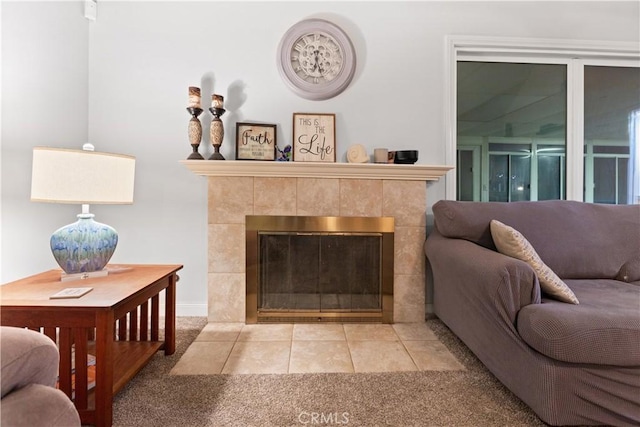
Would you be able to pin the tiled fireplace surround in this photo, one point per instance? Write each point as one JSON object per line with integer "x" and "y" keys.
{"x": 237, "y": 189}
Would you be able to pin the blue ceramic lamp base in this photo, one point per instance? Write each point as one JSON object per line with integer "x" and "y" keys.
{"x": 85, "y": 246}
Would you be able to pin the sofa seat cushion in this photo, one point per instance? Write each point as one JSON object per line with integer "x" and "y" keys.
{"x": 603, "y": 329}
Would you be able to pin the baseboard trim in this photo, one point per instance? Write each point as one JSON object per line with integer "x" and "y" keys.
{"x": 189, "y": 310}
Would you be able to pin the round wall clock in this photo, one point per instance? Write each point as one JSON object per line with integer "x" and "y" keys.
{"x": 316, "y": 59}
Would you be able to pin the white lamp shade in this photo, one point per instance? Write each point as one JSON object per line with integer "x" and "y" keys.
{"x": 81, "y": 177}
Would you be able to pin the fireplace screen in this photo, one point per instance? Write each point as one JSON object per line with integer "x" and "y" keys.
{"x": 320, "y": 272}
{"x": 319, "y": 268}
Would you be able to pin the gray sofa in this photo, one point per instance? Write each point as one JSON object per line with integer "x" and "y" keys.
{"x": 29, "y": 372}
{"x": 572, "y": 364}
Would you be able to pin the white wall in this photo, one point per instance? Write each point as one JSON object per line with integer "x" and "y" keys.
{"x": 45, "y": 48}
{"x": 142, "y": 56}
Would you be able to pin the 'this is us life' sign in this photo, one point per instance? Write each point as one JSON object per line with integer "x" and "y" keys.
{"x": 314, "y": 137}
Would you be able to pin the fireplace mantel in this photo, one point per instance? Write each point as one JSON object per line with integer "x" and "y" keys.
{"x": 230, "y": 168}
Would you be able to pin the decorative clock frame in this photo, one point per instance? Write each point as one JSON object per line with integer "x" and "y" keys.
{"x": 321, "y": 85}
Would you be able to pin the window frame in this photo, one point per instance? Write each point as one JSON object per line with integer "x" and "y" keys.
{"x": 575, "y": 54}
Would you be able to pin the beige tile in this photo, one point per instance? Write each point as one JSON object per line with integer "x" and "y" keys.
{"x": 227, "y": 248}
{"x": 220, "y": 332}
{"x": 258, "y": 357}
{"x": 360, "y": 197}
{"x": 380, "y": 356}
{"x": 414, "y": 331}
{"x": 318, "y": 196}
{"x": 320, "y": 356}
{"x": 432, "y": 355}
{"x": 230, "y": 199}
{"x": 308, "y": 348}
{"x": 274, "y": 196}
{"x": 406, "y": 201}
{"x": 318, "y": 332}
{"x": 279, "y": 332}
{"x": 408, "y": 298}
{"x": 409, "y": 257}
{"x": 203, "y": 358}
{"x": 370, "y": 332}
{"x": 226, "y": 297}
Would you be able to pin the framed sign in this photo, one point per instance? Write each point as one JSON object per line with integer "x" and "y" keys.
{"x": 314, "y": 137}
{"x": 255, "y": 141}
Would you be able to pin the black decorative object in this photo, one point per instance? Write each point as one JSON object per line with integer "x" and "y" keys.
{"x": 406, "y": 157}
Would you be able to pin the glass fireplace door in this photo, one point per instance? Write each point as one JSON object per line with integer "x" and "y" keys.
{"x": 320, "y": 272}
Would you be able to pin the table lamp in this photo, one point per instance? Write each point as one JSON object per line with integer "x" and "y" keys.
{"x": 85, "y": 177}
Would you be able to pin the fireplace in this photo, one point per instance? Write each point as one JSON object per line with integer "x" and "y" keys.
{"x": 240, "y": 188}
{"x": 319, "y": 269}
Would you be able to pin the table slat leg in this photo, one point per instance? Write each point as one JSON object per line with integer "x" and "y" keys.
{"x": 122, "y": 328}
{"x": 133, "y": 325}
{"x": 105, "y": 324}
{"x": 52, "y": 333}
{"x": 155, "y": 314}
{"x": 64, "y": 374}
{"x": 170, "y": 317}
{"x": 80, "y": 338}
{"x": 144, "y": 321}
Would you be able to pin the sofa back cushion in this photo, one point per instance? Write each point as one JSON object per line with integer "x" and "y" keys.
{"x": 576, "y": 240}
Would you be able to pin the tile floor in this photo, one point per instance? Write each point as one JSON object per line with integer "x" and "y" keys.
{"x": 235, "y": 348}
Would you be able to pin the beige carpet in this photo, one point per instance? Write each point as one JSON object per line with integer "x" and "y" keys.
{"x": 428, "y": 398}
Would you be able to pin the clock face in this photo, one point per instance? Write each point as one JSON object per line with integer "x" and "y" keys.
{"x": 316, "y": 59}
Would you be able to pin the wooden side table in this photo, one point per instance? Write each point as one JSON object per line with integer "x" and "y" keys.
{"x": 117, "y": 321}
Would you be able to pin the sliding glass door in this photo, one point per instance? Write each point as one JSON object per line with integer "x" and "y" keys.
{"x": 546, "y": 126}
{"x": 611, "y": 101}
{"x": 514, "y": 115}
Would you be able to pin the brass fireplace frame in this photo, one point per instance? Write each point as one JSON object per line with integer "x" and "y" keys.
{"x": 330, "y": 225}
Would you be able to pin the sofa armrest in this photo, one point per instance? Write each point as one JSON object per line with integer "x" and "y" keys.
{"x": 38, "y": 405}
{"x": 470, "y": 276}
{"x": 27, "y": 357}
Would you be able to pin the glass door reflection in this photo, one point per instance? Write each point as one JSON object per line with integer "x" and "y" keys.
{"x": 611, "y": 101}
